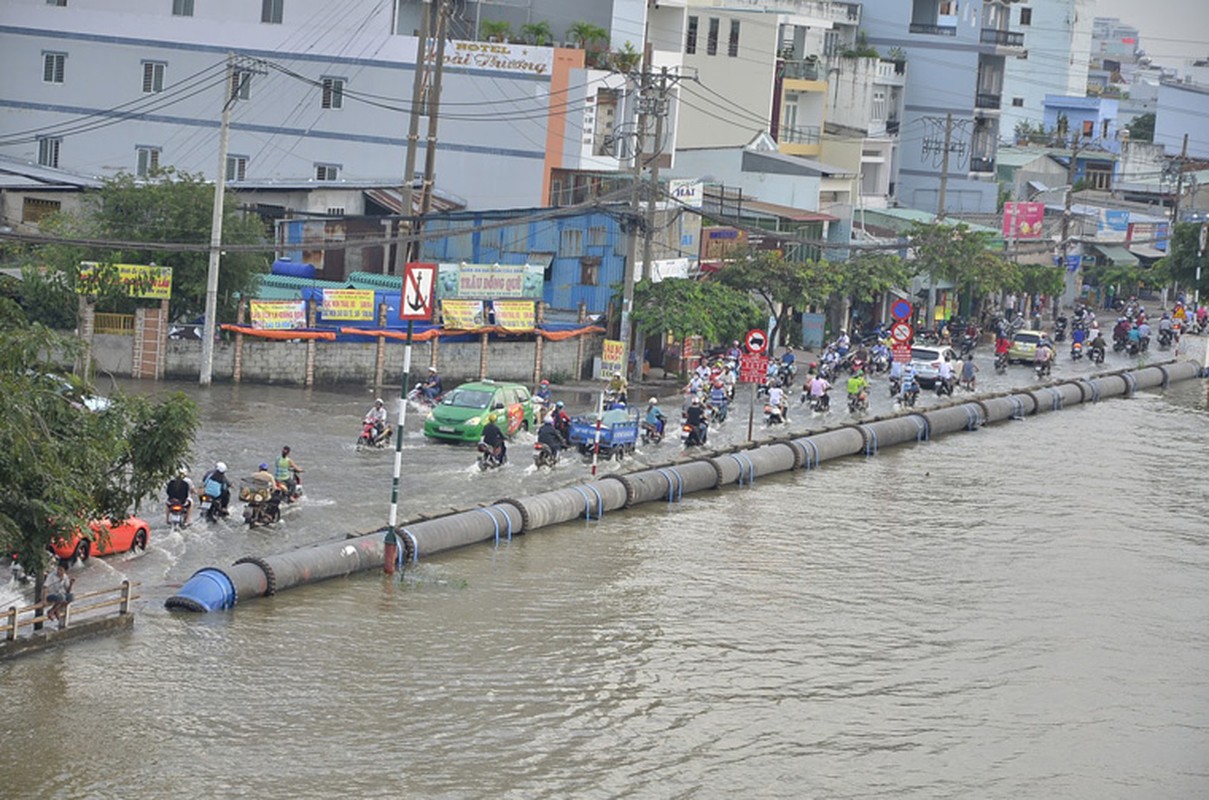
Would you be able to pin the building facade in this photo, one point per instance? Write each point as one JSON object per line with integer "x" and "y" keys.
{"x": 957, "y": 52}
{"x": 1057, "y": 43}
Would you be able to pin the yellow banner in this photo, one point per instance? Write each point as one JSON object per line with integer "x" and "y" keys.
{"x": 159, "y": 288}
{"x": 612, "y": 357}
{"x": 348, "y": 304}
{"x": 514, "y": 315}
{"x": 278, "y": 315}
{"x": 462, "y": 315}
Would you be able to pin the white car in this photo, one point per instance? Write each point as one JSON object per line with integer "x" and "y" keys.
{"x": 925, "y": 357}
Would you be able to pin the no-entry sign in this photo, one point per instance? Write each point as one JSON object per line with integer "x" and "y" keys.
{"x": 756, "y": 341}
{"x": 901, "y": 331}
{"x": 753, "y": 368}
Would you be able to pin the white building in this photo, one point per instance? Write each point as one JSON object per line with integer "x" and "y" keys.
{"x": 1057, "y": 43}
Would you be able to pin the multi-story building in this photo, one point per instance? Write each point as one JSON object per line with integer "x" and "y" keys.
{"x": 1057, "y": 43}
{"x": 957, "y": 52}
{"x": 103, "y": 86}
{"x": 1113, "y": 40}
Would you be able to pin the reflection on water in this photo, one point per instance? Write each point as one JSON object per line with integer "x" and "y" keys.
{"x": 1017, "y": 611}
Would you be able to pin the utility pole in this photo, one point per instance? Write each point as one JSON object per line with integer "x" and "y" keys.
{"x": 1179, "y": 186}
{"x": 636, "y": 217}
{"x": 434, "y": 108}
{"x": 660, "y": 110}
{"x": 230, "y": 93}
{"x": 1074, "y": 278}
{"x": 413, "y": 134}
{"x": 940, "y": 206}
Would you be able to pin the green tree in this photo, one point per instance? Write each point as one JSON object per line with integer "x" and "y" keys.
{"x": 627, "y": 59}
{"x": 172, "y": 207}
{"x": 1183, "y": 260}
{"x": 694, "y": 308}
{"x": 62, "y": 465}
{"x": 869, "y": 274}
{"x": 961, "y": 256}
{"x": 1038, "y": 280}
{"x": 584, "y": 34}
{"x": 537, "y": 33}
{"x": 495, "y": 30}
{"x": 781, "y": 284}
{"x": 1141, "y": 128}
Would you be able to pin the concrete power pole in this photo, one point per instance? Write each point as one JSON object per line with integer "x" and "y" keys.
{"x": 1074, "y": 278}
{"x": 434, "y": 110}
{"x": 413, "y": 135}
{"x": 940, "y": 206}
{"x": 1179, "y": 186}
{"x": 660, "y": 111}
{"x": 230, "y": 93}
{"x": 642, "y": 98}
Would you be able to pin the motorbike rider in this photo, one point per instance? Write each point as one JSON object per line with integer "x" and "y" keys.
{"x": 776, "y": 399}
{"x": 655, "y": 418}
{"x": 284, "y": 469}
{"x": 857, "y": 384}
{"x": 180, "y": 489}
{"x": 493, "y": 437}
{"x": 217, "y": 485}
{"x": 562, "y": 422}
{"x": 910, "y": 385}
{"x": 1044, "y": 355}
{"x": 842, "y": 343}
{"x": 1166, "y": 326}
{"x": 618, "y": 386}
{"x": 1098, "y": 343}
{"x": 377, "y": 415}
{"x": 717, "y": 398}
{"x": 944, "y": 373}
{"x": 432, "y": 385}
{"x": 264, "y": 479}
{"x": 548, "y": 436}
{"x": 543, "y": 391}
{"x": 735, "y": 352}
{"x": 695, "y": 416}
{"x": 818, "y": 392}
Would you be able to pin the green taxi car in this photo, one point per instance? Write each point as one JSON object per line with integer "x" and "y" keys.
{"x": 462, "y": 413}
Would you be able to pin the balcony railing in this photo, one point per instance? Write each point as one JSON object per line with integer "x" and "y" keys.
{"x": 806, "y": 135}
{"x": 982, "y": 164}
{"x": 933, "y": 30}
{"x": 892, "y": 125}
{"x": 1004, "y": 38}
{"x": 804, "y": 69}
{"x": 988, "y": 100}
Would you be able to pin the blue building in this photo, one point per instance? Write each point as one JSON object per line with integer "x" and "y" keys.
{"x": 1092, "y": 120}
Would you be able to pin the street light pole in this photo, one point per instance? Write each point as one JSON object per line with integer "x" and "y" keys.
{"x": 230, "y": 92}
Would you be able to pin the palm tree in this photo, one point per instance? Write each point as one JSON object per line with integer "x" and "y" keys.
{"x": 584, "y": 34}
{"x": 537, "y": 33}
{"x": 495, "y": 30}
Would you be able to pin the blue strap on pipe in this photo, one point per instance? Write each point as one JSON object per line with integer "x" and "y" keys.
{"x": 599, "y": 500}
{"x": 739, "y": 458}
{"x": 921, "y": 425}
{"x": 1095, "y": 391}
{"x": 927, "y": 425}
{"x": 870, "y": 441}
{"x": 672, "y": 486}
{"x": 587, "y": 502}
{"x": 814, "y": 447}
{"x": 1131, "y": 382}
{"x": 1017, "y": 406}
{"x": 1057, "y": 405}
{"x": 507, "y": 519}
{"x": 972, "y": 418}
{"x": 495, "y": 521}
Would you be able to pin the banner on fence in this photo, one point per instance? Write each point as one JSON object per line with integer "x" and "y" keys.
{"x": 348, "y": 304}
{"x": 514, "y": 315}
{"x": 612, "y": 357}
{"x": 462, "y": 315}
{"x": 278, "y": 315}
{"x": 142, "y": 280}
{"x": 489, "y": 281}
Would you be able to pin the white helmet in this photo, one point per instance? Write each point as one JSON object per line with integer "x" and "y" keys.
{"x": 221, "y": 467}
{"x": 652, "y": 401}
{"x": 378, "y": 401}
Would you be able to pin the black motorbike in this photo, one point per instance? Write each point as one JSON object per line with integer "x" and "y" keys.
{"x": 652, "y": 433}
{"x": 491, "y": 457}
{"x": 1042, "y": 368}
{"x": 858, "y": 403}
{"x": 820, "y": 404}
{"x": 968, "y": 343}
{"x": 210, "y": 508}
{"x": 1060, "y": 330}
{"x": 896, "y": 385}
{"x": 1001, "y": 363}
{"x": 264, "y": 503}
{"x": 1096, "y": 355}
{"x": 693, "y": 435}
{"x": 1165, "y": 338}
{"x": 1076, "y": 351}
{"x": 544, "y": 455}
{"x": 773, "y": 415}
{"x": 910, "y": 395}
{"x": 944, "y": 386}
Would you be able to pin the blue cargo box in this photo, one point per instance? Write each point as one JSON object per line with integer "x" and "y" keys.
{"x": 616, "y": 428}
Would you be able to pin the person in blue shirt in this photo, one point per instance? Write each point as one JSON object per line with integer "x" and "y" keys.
{"x": 543, "y": 391}
{"x": 717, "y": 398}
{"x": 655, "y": 417}
{"x": 432, "y": 386}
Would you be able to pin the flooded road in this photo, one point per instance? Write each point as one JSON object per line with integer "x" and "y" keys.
{"x": 1013, "y": 612}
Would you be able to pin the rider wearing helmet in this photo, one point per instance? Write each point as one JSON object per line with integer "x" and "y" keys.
{"x": 617, "y": 386}
{"x": 493, "y": 437}
{"x": 543, "y": 391}
{"x": 377, "y": 415}
{"x": 432, "y": 385}
{"x": 180, "y": 489}
{"x": 695, "y": 416}
{"x": 217, "y": 486}
{"x": 562, "y": 422}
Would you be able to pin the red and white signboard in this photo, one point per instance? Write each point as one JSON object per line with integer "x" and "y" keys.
{"x": 900, "y": 351}
{"x": 419, "y": 292}
{"x": 901, "y": 331}
{"x": 753, "y": 368}
{"x": 756, "y": 341}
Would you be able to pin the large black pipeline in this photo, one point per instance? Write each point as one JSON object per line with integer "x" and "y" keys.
{"x": 213, "y": 588}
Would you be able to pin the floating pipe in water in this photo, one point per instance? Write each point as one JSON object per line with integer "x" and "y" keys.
{"x": 212, "y": 589}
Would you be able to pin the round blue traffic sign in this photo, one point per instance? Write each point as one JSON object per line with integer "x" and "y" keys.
{"x": 900, "y": 310}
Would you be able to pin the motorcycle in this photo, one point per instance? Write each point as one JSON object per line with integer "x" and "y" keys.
{"x": 944, "y": 386}
{"x": 858, "y": 403}
{"x": 1165, "y": 338}
{"x": 16, "y": 571}
{"x": 693, "y": 435}
{"x": 1076, "y": 350}
{"x": 372, "y": 437}
{"x": 1119, "y": 343}
{"x": 896, "y": 385}
{"x": 967, "y": 346}
{"x": 1042, "y": 368}
{"x": 264, "y": 503}
{"x": 176, "y": 514}
{"x": 1134, "y": 347}
{"x": 821, "y": 403}
{"x": 417, "y": 396}
{"x": 544, "y": 456}
{"x": 910, "y": 395}
{"x": 717, "y": 413}
{"x": 652, "y": 433}
{"x": 490, "y": 457}
{"x": 1001, "y": 363}
{"x": 209, "y": 507}
{"x": 1060, "y": 330}
{"x": 773, "y": 415}
{"x": 1096, "y": 356}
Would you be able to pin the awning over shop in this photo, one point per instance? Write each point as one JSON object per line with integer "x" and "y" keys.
{"x": 1147, "y": 252}
{"x": 1116, "y": 254}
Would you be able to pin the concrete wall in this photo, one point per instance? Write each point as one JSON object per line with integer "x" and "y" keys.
{"x": 354, "y": 362}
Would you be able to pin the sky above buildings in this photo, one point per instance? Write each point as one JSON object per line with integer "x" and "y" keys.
{"x": 1171, "y": 30}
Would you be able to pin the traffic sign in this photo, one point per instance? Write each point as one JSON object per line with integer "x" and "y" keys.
{"x": 757, "y": 340}
{"x": 901, "y": 310}
{"x": 901, "y": 331}
{"x": 901, "y": 351}
{"x": 419, "y": 292}
{"x": 753, "y": 368}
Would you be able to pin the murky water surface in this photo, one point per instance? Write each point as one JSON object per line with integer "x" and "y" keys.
{"x": 1016, "y": 612}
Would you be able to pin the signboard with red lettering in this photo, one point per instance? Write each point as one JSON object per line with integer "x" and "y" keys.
{"x": 753, "y": 368}
{"x": 900, "y": 351}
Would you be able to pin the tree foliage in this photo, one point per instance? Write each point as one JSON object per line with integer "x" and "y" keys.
{"x": 172, "y": 207}
{"x": 694, "y": 308}
{"x": 495, "y": 30}
{"x": 962, "y": 256}
{"x": 1182, "y": 259}
{"x": 1141, "y": 128}
{"x": 868, "y": 274}
{"x": 1038, "y": 279}
{"x": 782, "y": 285}
{"x": 62, "y": 465}
{"x": 537, "y": 33}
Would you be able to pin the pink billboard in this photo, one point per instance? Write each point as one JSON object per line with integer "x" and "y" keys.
{"x": 1022, "y": 220}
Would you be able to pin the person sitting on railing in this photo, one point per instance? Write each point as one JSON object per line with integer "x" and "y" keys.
{"x": 58, "y": 591}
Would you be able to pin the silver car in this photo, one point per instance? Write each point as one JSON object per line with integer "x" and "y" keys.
{"x": 925, "y": 357}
